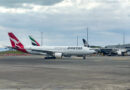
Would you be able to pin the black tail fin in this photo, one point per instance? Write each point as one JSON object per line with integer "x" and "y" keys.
{"x": 85, "y": 43}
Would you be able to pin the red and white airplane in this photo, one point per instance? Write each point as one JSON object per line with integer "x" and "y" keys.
{"x": 51, "y": 51}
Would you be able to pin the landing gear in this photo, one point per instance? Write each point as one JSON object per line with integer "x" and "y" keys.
{"x": 50, "y": 57}
{"x": 84, "y": 57}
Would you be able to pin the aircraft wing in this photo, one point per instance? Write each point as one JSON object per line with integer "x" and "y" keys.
{"x": 43, "y": 51}
{"x": 9, "y": 47}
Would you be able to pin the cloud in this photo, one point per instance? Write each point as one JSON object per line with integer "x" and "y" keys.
{"x": 46, "y": 7}
{"x": 23, "y": 6}
{"x": 62, "y": 20}
{"x": 19, "y": 3}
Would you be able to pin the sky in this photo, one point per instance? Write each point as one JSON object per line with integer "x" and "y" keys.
{"x": 61, "y": 21}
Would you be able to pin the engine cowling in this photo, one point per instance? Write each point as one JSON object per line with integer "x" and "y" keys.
{"x": 121, "y": 51}
{"x": 58, "y": 55}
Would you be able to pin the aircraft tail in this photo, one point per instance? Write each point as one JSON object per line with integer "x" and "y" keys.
{"x": 33, "y": 41}
{"x": 85, "y": 43}
{"x": 16, "y": 44}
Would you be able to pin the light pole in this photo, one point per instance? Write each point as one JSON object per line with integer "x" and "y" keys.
{"x": 77, "y": 40}
{"x": 41, "y": 38}
{"x": 87, "y": 34}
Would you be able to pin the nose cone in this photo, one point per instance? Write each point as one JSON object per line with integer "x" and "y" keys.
{"x": 93, "y": 51}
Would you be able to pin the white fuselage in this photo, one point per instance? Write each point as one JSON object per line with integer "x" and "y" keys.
{"x": 65, "y": 50}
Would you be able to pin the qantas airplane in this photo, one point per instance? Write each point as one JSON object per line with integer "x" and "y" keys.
{"x": 51, "y": 51}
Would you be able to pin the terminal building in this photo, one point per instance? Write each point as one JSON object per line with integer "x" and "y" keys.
{"x": 112, "y": 50}
{"x": 124, "y": 46}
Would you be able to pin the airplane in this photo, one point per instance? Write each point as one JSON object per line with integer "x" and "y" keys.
{"x": 52, "y": 52}
{"x": 33, "y": 41}
{"x": 85, "y": 43}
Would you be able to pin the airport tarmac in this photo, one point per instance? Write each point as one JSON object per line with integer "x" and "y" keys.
{"x": 36, "y": 73}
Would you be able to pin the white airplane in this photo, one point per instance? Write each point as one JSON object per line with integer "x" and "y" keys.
{"x": 51, "y": 51}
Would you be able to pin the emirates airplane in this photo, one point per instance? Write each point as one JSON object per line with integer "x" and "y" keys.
{"x": 52, "y": 52}
{"x": 33, "y": 41}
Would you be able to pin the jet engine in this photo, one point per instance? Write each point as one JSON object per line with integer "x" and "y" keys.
{"x": 121, "y": 52}
{"x": 58, "y": 55}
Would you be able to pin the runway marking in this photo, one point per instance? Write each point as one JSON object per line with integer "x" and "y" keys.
{"x": 119, "y": 58}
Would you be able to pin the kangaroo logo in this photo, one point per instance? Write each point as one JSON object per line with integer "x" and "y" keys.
{"x": 15, "y": 42}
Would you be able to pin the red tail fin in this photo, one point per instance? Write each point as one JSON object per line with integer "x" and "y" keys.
{"x": 15, "y": 42}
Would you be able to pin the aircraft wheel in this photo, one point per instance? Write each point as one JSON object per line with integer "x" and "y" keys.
{"x": 84, "y": 57}
{"x": 50, "y": 57}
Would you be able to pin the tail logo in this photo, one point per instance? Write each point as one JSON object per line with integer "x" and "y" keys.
{"x": 15, "y": 42}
